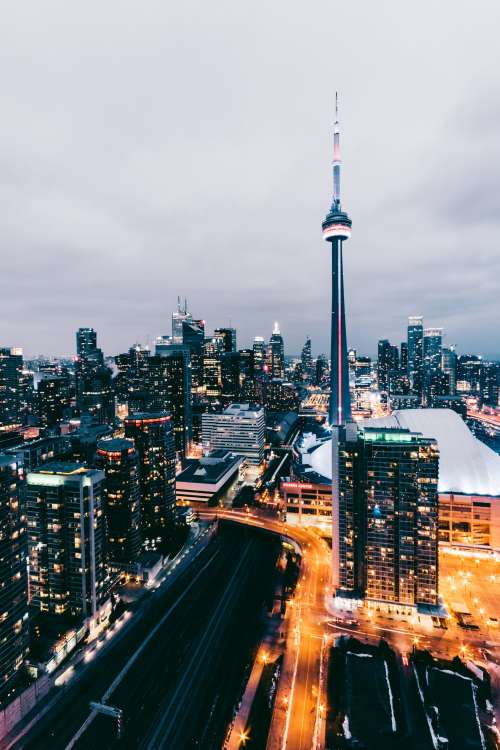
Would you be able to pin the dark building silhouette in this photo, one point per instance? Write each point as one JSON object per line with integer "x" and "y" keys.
{"x": 168, "y": 389}
{"x": 13, "y": 577}
{"x": 230, "y": 376}
{"x": 53, "y": 399}
{"x": 119, "y": 460}
{"x": 152, "y": 433}
{"x": 193, "y": 336}
{"x": 306, "y": 358}
{"x": 11, "y": 366}
{"x": 94, "y": 387}
{"x": 227, "y": 338}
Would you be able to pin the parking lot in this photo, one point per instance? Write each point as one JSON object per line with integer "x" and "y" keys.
{"x": 475, "y": 583}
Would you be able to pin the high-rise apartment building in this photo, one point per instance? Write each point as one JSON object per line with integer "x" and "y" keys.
{"x": 240, "y": 429}
{"x": 119, "y": 460}
{"x": 11, "y": 368}
{"x": 66, "y": 539}
{"x": 153, "y": 435}
{"x": 13, "y": 577}
{"x": 388, "y": 517}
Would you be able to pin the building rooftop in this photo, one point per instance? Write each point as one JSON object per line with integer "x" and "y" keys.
{"x": 250, "y": 411}
{"x": 115, "y": 445}
{"x": 147, "y": 416}
{"x": 209, "y": 469}
{"x": 466, "y": 465}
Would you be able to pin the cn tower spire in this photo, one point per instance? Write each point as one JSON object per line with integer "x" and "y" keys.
{"x": 336, "y": 162}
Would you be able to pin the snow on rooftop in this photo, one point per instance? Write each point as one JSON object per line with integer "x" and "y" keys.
{"x": 466, "y": 465}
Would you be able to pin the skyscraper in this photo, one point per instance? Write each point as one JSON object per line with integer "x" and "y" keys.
{"x": 13, "y": 577}
{"x": 94, "y": 390}
{"x": 66, "y": 538}
{"x": 388, "y": 517}
{"x": 212, "y": 378}
{"x": 306, "y": 358}
{"x": 11, "y": 366}
{"x": 178, "y": 318}
{"x": 415, "y": 352}
{"x": 193, "y": 336}
{"x": 276, "y": 354}
{"x": 227, "y": 337}
{"x": 169, "y": 389}
{"x": 119, "y": 461}
{"x": 259, "y": 354}
{"x": 336, "y": 229}
{"x": 431, "y": 365}
{"x": 86, "y": 341}
{"x": 152, "y": 434}
{"x": 387, "y": 364}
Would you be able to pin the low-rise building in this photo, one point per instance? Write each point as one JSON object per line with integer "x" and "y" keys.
{"x": 205, "y": 479}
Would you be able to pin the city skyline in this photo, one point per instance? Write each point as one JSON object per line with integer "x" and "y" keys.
{"x": 105, "y": 180}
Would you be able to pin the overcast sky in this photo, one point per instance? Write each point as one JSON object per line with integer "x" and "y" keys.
{"x": 150, "y": 149}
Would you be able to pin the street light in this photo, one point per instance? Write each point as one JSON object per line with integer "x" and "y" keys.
{"x": 244, "y": 737}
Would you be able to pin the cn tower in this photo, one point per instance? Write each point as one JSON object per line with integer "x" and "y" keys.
{"x": 337, "y": 229}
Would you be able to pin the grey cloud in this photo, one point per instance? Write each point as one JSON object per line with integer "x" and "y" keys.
{"x": 152, "y": 149}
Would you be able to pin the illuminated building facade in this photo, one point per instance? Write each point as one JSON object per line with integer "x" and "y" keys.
{"x": 388, "y": 518}
{"x": 469, "y": 521}
{"x": 415, "y": 352}
{"x": 240, "y": 429}
{"x": 119, "y": 461}
{"x": 259, "y": 354}
{"x": 276, "y": 354}
{"x": 212, "y": 377}
{"x": 153, "y": 436}
{"x": 66, "y": 539}
{"x": 13, "y": 577}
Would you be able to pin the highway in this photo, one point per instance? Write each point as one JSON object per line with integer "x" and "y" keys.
{"x": 181, "y": 691}
{"x": 297, "y": 720}
{"x": 177, "y": 670}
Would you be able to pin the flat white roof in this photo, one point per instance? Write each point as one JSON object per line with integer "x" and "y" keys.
{"x": 466, "y": 465}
